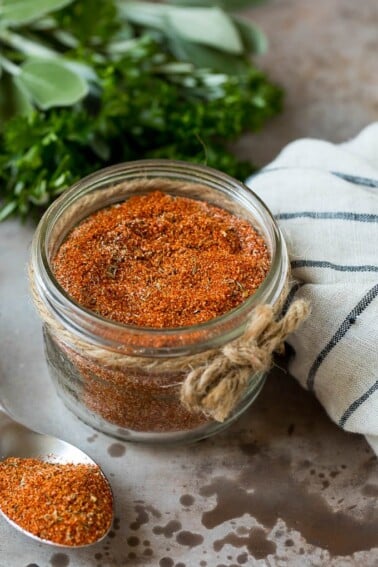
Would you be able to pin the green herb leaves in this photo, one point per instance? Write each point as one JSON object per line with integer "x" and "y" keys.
{"x": 17, "y": 12}
{"x": 44, "y": 79}
{"x": 81, "y": 89}
{"x": 50, "y": 83}
{"x": 207, "y": 35}
{"x": 207, "y": 26}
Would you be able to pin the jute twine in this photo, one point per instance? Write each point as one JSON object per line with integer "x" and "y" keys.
{"x": 215, "y": 380}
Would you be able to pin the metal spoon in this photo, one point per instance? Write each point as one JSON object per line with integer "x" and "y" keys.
{"x": 17, "y": 440}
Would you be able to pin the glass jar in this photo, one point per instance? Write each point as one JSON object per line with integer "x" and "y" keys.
{"x": 138, "y": 403}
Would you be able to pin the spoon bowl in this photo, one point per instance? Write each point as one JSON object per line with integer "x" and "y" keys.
{"x": 17, "y": 440}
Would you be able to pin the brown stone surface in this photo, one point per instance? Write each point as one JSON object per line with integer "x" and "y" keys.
{"x": 324, "y": 54}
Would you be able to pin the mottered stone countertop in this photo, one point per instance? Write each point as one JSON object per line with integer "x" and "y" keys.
{"x": 283, "y": 486}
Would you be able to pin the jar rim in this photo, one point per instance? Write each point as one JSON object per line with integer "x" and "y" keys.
{"x": 90, "y": 325}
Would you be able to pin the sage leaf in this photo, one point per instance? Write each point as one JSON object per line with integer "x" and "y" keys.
{"x": 13, "y": 99}
{"x": 20, "y": 12}
{"x": 51, "y": 83}
{"x": 229, "y": 5}
{"x": 207, "y": 26}
{"x": 82, "y": 69}
{"x": 206, "y": 57}
{"x": 143, "y": 13}
{"x": 254, "y": 40}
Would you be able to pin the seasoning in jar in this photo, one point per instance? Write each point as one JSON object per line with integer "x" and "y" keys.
{"x": 67, "y": 504}
{"x": 157, "y": 260}
{"x": 160, "y": 285}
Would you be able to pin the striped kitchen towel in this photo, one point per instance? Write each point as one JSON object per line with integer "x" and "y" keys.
{"x": 325, "y": 199}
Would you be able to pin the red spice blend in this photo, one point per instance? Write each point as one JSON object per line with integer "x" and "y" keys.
{"x": 68, "y": 504}
{"x": 154, "y": 260}
{"x": 157, "y": 260}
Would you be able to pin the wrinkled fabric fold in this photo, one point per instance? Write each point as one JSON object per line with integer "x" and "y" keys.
{"x": 325, "y": 199}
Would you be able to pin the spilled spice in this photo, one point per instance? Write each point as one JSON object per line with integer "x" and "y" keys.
{"x": 161, "y": 261}
{"x": 67, "y": 504}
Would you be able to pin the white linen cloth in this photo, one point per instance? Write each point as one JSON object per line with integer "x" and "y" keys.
{"x": 325, "y": 199}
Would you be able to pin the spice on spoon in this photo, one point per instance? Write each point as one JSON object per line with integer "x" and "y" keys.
{"x": 67, "y": 504}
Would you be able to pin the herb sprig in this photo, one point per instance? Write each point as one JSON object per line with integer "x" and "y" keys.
{"x": 81, "y": 89}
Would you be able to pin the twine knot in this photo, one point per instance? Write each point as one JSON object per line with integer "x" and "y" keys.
{"x": 216, "y": 386}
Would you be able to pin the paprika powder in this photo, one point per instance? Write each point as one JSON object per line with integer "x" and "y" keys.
{"x": 67, "y": 504}
{"x": 158, "y": 260}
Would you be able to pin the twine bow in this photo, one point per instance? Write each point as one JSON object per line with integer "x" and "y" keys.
{"x": 216, "y": 386}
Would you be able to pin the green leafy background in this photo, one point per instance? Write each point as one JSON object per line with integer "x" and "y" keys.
{"x": 82, "y": 88}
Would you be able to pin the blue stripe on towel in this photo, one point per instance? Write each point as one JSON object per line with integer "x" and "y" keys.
{"x": 357, "y": 403}
{"x": 340, "y": 333}
{"x": 331, "y": 215}
{"x": 338, "y": 267}
{"x": 355, "y": 179}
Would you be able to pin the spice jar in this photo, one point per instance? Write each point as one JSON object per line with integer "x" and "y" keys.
{"x": 131, "y": 381}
